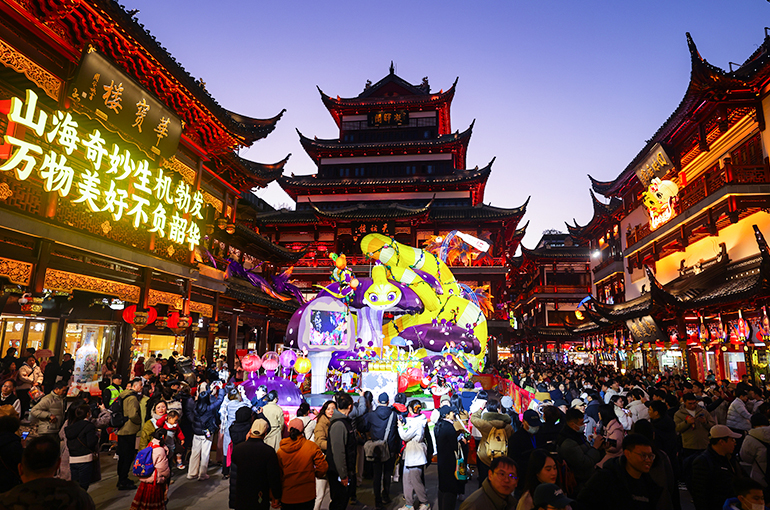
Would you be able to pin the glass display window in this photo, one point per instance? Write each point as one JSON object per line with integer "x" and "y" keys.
{"x": 36, "y": 335}
{"x": 21, "y": 333}
{"x": 151, "y": 345}
{"x": 13, "y": 334}
{"x": 199, "y": 348}
{"x": 735, "y": 365}
{"x": 102, "y": 336}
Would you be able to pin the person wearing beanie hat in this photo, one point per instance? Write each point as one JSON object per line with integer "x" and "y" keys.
{"x": 301, "y": 462}
{"x": 258, "y": 471}
{"x": 239, "y": 432}
{"x": 382, "y": 425}
{"x": 415, "y": 456}
{"x": 549, "y": 496}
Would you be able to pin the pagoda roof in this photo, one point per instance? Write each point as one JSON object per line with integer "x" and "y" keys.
{"x": 707, "y": 83}
{"x": 394, "y": 210}
{"x": 602, "y": 212}
{"x": 297, "y": 185}
{"x": 391, "y": 92}
{"x": 480, "y": 212}
{"x": 246, "y": 239}
{"x": 561, "y": 252}
{"x": 243, "y": 291}
{"x": 318, "y": 148}
{"x": 244, "y": 174}
{"x": 374, "y": 210}
{"x": 107, "y": 26}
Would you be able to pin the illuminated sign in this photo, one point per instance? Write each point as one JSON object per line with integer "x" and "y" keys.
{"x": 645, "y": 329}
{"x": 114, "y": 180}
{"x": 104, "y": 92}
{"x": 397, "y": 118}
{"x": 659, "y": 201}
{"x": 362, "y": 228}
{"x": 656, "y": 164}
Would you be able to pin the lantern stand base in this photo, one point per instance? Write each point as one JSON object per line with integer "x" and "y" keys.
{"x": 319, "y": 362}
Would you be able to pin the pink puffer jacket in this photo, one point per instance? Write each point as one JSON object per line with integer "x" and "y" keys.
{"x": 162, "y": 472}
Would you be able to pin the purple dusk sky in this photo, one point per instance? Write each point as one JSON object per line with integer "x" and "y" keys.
{"x": 558, "y": 89}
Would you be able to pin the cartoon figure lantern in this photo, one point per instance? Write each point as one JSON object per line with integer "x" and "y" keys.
{"x": 431, "y": 312}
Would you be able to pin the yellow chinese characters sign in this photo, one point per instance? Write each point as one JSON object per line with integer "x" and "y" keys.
{"x": 99, "y": 176}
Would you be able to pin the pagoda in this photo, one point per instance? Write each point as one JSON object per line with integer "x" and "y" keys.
{"x": 397, "y": 169}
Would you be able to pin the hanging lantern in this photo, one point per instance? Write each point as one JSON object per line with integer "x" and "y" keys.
{"x": 31, "y": 305}
{"x": 178, "y": 323}
{"x": 302, "y": 365}
{"x": 161, "y": 322}
{"x": 139, "y": 318}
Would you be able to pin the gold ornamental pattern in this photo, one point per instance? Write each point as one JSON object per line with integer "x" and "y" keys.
{"x": 12, "y": 58}
{"x": 17, "y": 272}
{"x": 68, "y": 282}
{"x": 204, "y": 309}
{"x": 156, "y": 297}
{"x": 185, "y": 171}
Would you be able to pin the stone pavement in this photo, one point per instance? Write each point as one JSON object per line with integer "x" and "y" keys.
{"x": 213, "y": 493}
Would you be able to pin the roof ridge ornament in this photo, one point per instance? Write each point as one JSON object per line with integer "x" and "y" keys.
{"x": 392, "y": 68}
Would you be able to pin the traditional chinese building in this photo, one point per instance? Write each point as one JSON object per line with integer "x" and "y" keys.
{"x": 546, "y": 286}
{"x": 120, "y": 186}
{"x": 396, "y": 168}
{"x": 677, "y": 239}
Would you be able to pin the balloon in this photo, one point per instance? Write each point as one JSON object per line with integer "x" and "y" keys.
{"x": 302, "y": 365}
{"x": 288, "y": 358}
{"x": 270, "y": 360}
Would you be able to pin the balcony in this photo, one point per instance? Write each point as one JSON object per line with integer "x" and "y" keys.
{"x": 556, "y": 290}
{"x": 704, "y": 186}
{"x": 360, "y": 264}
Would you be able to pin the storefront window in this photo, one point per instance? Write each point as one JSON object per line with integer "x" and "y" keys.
{"x": 103, "y": 338}
{"x": 152, "y": 345}
{"x": 670, "y": 359}
{"x": 735, "y": 365}
{"x": 220, "y": 347}
{"x": 36, "y": 335}
{"x": 23, "y": 333}
{"x": 199, "y": 348}
{"x": 13, "y": 334}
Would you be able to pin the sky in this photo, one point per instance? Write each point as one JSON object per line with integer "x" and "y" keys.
{"x": 558, "y": 89}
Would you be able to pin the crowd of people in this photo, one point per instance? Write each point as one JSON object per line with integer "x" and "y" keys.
{"x": 592, "y": 438}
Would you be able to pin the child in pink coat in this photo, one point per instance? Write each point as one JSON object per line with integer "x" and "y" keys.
{"x": 153, "y": 489}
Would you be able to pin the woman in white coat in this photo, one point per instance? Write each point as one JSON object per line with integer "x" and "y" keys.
{"x": 415, "y": 454}
{"x": 754, "y": 449}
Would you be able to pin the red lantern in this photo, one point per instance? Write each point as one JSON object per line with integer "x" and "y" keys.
{"x": 139, "y": 318}
{"x": 251, "y": 363}
{"x": 178, "y": 323}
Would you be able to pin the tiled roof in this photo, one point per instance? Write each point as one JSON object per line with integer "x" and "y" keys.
{"x": 243, "y": 291}
{"x": 313, "y": 181}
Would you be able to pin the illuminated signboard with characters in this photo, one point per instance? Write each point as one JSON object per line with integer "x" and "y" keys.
{"x": 659, "y": 200}
{"x": 97, "y": 174}
{"x": 105, "y": 93}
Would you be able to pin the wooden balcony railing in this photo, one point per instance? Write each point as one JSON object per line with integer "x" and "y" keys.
{"x": 705, "y": 185}
{"x": 558, "y": 289}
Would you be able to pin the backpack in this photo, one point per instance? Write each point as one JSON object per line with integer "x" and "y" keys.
{"x": 567, "y": 478}
{"x": 143, "y": 466}
{"x": 117, "y": 418}
{"x": 496, "y": 443}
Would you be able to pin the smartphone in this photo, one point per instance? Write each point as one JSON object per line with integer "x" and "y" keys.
{"x": 25, "y": 434}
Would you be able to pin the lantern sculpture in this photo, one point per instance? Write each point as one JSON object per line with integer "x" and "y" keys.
{"x": 270, "y": 361}
{"x": 288, "y": 359}
{"x": 251, "y": 363}
{"x": 302, "y": 365}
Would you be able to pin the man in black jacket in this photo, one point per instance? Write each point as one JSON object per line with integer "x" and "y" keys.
{"x": 665, "y": 432}
{"x": 377, "y": 425}
{"x": 525, "y": 440}
{"x": 624, "y": 482}
{"x": 714, "y": 471}
{"x": 257, "y": 475}
{"x": 341, "y": 453}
